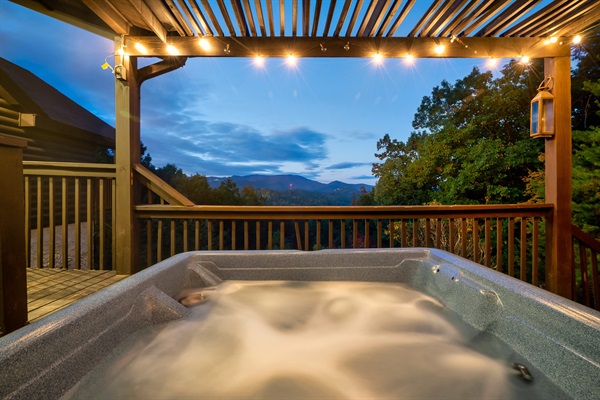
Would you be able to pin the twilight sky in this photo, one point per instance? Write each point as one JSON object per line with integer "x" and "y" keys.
{"x": 219, "y": 117}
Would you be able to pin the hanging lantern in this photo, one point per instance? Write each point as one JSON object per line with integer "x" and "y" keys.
{"x": 542, "y": 111}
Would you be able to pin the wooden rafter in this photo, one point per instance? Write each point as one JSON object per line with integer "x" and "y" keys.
{"x": 353, "y": 18}
{"x": 239, "y": 16}
{"x": 577, "y": 27}
{"x": 486, "y": 16}
{"x": 281, "y": 18}
{"x": 316, "y": 17}
{"x": 271, "y": 20}
{"x": 509, "y": 15}
{"x": 329, "y": 18}
{"x": 161, "y": 10}
{"x": 250, "y": 17}
{"x": 400, "y": 17}
{"x": 551, "y": 9}
{"x": 112, "y": 17}
{"x": 200, "y": 17}
{"x": 177, "y": 14}
{"x": 305, "y": 17}
{"x": 439, "y": 13}
{"x": 467, "y": 19}
{"x": 188, "y": 14}
{"x": 388, "y": 17}
{"x": 213, "y": 17}
{"x": 376, "y": 17}
{"x": 150, "y": 19}
{"x": 366, "y": 18}
{"x": 425, "y": 18}
{"x": 226, "y": 17}
{"x": 546, "y": 22}
{"x": 294, "y": 17}
{"x": 261, "y": 17}
{"x": 458, "y": 19}
{"x": 573, "y": 15}
{"x": 435, "y": 28}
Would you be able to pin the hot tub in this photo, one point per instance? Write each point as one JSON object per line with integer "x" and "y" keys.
{"x": 554, "y": 339}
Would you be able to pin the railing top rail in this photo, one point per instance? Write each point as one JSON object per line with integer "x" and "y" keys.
{"x": 345, "y": 212}
{"x": 71, "y": 169}
{"x": 586, "y": 239}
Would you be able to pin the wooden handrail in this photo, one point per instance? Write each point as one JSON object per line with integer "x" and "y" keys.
{"x": 160, "y": 187}
{"x": 586, "y": 239}
{"x": 346, "y": 212}
{"x": 70, "y": 169}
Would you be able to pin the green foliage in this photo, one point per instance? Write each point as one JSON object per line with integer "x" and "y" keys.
{"x": 471, "y": 144}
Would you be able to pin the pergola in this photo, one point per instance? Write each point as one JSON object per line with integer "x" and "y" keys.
{"x": 174, "y": 30}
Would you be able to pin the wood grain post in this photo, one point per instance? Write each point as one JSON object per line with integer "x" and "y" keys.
{"x": 13, "y": 273}
{"x": 559, "y": 274}
{"x": 127, "y": 152}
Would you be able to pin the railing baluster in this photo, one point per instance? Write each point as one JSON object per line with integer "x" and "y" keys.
{"x": 233, "y": 234}
{"x": 282, "y": 235}
{"x": 367, "y": 230}
{"x": 51, "y": 224}
{"x": 523, "y": 252}
{"x": 343, "y": 233}
{"x": 318, "y": 244}
{"x": 77, "y": 228}
{"x": 114, "y": 224}
{"x": 257, "y": 224}
{"x": 379, "y": 233}
{"x": 100, "y": 220}
{"x": 427, "y": 232}
{"x": 270, "y": 235}
{"x": 185, "y": 235}
{"x": 499, "y": 259}
{"x": 298, "y": 237}
{"x": 476, "y": 257}
{"x": 584, "y": 273}
{"x": 27, "y": 223}
{"x": 438, "y": 233}
{"x": 463, "y": 249}
{"x": 488, "y": 243}
{"x": 415, "y": 233}
{"x": 534, "y": 252}
{"x": 209, "y": 229}
{"x": 221, "y": 234}
{"x": 149, "y": 235}
{"x": 595, "y": 279}
{"x": 159, "y": 232}
{"x": 172, "y": 238}
{"x": 89, "y": 225}
{"x": 40, "y": 237}
{"x": 452, "y": 235}
{"x": 246, "y": 239}
{"x": 65, "y": 224}
{"x": 355, "y": 233}
{"x": 392, "y": 233}
{"x": 403, "y": 233}
{"x": 511, "y": 246}
{"x": 306, "y": 232}
{"x": 197, "y": 234}
{"x": 331, "y": 234}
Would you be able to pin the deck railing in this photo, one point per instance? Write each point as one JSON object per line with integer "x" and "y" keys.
{"x": 68, "y": 215}
{"x": 507, "y": 238}
{"x": 586, "y": 281}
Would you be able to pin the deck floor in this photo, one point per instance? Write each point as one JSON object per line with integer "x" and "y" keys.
{"x": 50, "y": 289}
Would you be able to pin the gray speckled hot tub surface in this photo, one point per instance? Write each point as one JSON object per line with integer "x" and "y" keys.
{"x": 556, "y": 336}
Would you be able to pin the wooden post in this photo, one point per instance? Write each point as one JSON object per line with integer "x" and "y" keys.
{"x": 127, "y": 152}
{"x": 13, "y": 273}
{"x": 559, "y": 274}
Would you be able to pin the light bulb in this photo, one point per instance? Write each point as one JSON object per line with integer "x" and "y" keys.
{"x": 525, "y": 60}
{"x": 409, "y": 58}
{"x": 141, "y": 48}
{"x": 492, "y": 62}
{"x": 577, "y": 39}
{"x": 172, "y": 50}
{"x": 259, "y": 61}
{"x": 204, "y": 44}
{"x": 439, "y": 49}
{"x": 291, "y": 60}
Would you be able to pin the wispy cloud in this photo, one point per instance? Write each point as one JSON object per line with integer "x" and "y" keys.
{"x": 346, "y": 165}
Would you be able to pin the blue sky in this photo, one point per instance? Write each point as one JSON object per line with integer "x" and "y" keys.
{"x": 221, "y": 117}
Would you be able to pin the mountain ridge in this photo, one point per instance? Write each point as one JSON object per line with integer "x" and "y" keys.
{"x": 286, "y": 182}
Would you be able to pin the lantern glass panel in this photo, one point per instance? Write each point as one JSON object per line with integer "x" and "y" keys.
{"x": 548, "y": 115}
{"x": 534, "y": 117}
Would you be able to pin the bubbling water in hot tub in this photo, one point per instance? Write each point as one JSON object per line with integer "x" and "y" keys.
{"x": 300, "y": 340}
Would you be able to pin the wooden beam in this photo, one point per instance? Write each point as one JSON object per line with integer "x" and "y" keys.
{"x": 162, "y": 67}
{"x": 392, "y": 47}
{"x": 559, "y": 273}
{"x": 160, "y": 187}
{"x": 127, "y": 151}
{"x": 151, "y": 20}
{"x": 13, "y": 260}
{"x": 112, "y": 17}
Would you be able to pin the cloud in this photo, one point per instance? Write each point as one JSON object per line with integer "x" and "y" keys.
{"x": 363, "y": 177}
{"x": 346, "y": 165}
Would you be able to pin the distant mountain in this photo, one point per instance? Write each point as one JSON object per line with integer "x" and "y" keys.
{"x": 297, "y": 190}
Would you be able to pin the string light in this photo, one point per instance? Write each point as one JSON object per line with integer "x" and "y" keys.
{"x": 409, "y": 59}
{"x": 291, "y": 60}
{"x": 259, "y": 60}
{"x": 323, "y": 48}
{"x": 227, "y": 50}
{"x": 439, "y": 49}
{"x": 491, "y": 62}
{"x": 525, "y": 60}
{"x": 172, "y": 50}
{"x": 377, "y": 58}
{"x": 347, "y": 46}
{"x": 141, "y": 48}
{"x": 204, "y": 44}
{"x": 577, "y": 39}
{"x": 121, "y": 52}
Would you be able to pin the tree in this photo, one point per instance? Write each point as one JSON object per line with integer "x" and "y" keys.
{"x": 470, "y": 145}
